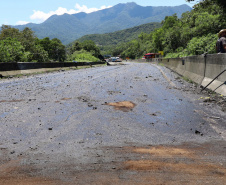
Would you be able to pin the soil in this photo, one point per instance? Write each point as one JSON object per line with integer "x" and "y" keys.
{"x": 188, "y": 163}
{"x": 124, "y": 106}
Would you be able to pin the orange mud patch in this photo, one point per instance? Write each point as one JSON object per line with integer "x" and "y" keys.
{"x": 12, "y": 173}
{"x": 204, "y": 168}
{"x": 66, "y": 99}
{"x": 165, "y": 152}
{"x": 124, "y": 106}
{"x": 179, "y": 163}
{"x": 186, "y": 164}
{"x": 27, "y": 181}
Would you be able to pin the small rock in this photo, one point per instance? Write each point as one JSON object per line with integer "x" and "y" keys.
{"x": 198, "y": 132}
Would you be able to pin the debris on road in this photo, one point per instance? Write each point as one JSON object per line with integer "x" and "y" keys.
{"x": 124, "y": 106}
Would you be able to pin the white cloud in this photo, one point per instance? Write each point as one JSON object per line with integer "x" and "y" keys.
{"x": 40, "y": 16}
{"x": 22, "y": 22}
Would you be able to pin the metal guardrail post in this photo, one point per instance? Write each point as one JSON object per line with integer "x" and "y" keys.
{"x": 214, "y": 80}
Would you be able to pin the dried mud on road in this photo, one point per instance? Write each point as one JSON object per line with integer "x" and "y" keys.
{"x": 124, "y": 106}
{"x": 189, "y": 163}
{"x": 120, "y": 125}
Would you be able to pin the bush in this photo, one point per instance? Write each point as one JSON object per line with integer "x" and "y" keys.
{"x": 83, "y": 56}
{"x": 200, "y": 45}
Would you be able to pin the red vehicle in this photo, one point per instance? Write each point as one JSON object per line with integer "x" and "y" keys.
{"x": 151, "y": 55}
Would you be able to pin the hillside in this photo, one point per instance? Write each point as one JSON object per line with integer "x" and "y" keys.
{"x": 122, "y": 36}
{"x": 122, "y": 16}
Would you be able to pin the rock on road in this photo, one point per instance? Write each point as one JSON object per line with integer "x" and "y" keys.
{"x": 137, "y": 123}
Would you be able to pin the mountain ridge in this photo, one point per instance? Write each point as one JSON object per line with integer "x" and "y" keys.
{"x": 68, "y": 27}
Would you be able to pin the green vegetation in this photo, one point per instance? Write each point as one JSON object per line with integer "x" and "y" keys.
{"x": 86, "y": 51}
{"x": 108, "y": 41}
{"x": 83, "y": 56}
{"x": 23, "y": 46}
{"x": 188, "y": 80}
{"x": 68, "y": 28}
{"x": 194, "y": 33}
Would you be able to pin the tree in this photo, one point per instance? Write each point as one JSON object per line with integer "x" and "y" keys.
{"x": 91, "y": 47}
{"x": 58, "y": 52}
{"x": 219, "y": 2}
{"x": 55, "y": 48}
{"x": 38, "y": 54}
{"x": 27, "y": 38}
{"x": 21, "y": 46}
{"x": 133, "y": 50}
{"x": 200, "y": 45}
{"x": 8, "y": 32}
{"x": 11, "y": 50}
{"x": 157, "y": 39}
{"x": 206, "y": 3}
{"x": 76, "y": 46}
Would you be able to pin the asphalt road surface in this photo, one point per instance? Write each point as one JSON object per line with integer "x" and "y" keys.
{"x": 137, "y": 123}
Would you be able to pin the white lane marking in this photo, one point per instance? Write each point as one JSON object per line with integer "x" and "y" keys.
{"x": 164, "y": 75}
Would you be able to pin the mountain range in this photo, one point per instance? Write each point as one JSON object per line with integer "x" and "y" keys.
{"x": 68, "y": 28}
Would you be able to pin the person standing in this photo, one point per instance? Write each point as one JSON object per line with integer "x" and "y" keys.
{"x": 221, "y": 42}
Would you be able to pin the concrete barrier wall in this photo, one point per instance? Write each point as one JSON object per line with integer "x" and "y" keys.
{"x": 215, "y": 64}
{"x": 201, "y": 69}
{"x": 9, "y": 69}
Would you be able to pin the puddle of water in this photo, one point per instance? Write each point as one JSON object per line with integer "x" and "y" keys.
{"x": 124, "y": 106}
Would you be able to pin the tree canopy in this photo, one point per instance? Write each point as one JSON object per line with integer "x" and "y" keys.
{"x": 83, "y": 51}
{"x": 24, "y": 46}
{"x": 194, "y": 33}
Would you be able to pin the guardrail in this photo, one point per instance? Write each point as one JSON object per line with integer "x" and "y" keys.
{"x": 10, "y": 69}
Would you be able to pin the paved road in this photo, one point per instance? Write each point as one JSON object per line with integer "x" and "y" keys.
{"x": 125, "y": 124}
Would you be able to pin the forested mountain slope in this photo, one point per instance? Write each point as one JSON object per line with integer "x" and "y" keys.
{"x": 121, "y": 36}
{"x": 122, "y": 16}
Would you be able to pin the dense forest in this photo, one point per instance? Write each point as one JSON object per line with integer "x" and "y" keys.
{"x": 106, "y": 42}
{"x": 194, "y": 33}
{"x": 24, "y": 46}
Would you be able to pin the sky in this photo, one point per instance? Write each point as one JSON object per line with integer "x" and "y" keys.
{"x": 18, "y": 12}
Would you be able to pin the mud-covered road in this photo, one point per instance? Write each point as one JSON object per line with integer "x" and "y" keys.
{"x": 130, "y": 124}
